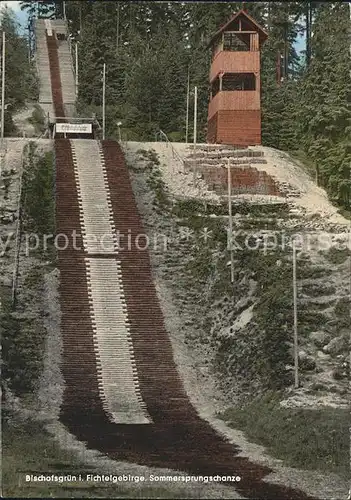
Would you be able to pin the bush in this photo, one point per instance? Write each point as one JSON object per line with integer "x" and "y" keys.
{"x": 38, "y": 119}
{"x": 38, "y": 192}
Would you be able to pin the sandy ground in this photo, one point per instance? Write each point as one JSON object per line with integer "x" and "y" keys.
{"x": 178, "y": 179}
{"x": 306, "y": 197}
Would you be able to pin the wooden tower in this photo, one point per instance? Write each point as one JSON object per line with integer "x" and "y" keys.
{"x": 234, "y": 111}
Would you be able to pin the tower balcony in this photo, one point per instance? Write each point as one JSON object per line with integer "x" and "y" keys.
{"x": 235, "y": 62}
{"x": 234, "y": 100}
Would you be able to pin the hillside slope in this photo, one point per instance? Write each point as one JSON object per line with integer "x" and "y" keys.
{"x": 230, "y": 328}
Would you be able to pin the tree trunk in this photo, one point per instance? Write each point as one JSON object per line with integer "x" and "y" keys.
{"x": 117, "y": 29}
{"x": 308, "y": 33}
{"x": 286, "y": 51}
{"x": 80, "y": 18}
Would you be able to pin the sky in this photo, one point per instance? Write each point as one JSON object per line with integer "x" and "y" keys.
{"x": 15, "y": 6}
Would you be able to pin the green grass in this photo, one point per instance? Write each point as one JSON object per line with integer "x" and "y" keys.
{"x": 29, "y": 449}
{"x": 345, "y": 213}
{"x": 155, "y": 180}
{"x": 308, "y": 439}
{"x": 301, "y": 159}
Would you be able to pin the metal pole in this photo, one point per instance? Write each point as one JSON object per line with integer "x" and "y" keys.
{"x": 103, "y": 100}
{"x": 296, "y": 354}
{"x": 195, "y": 115}
{"x": 64, "y": 9}
{"x": 117, "y": 30}
{"x": 76, "y": 69}
{"x": 187, "y": 107}
{"x": 229, "y": 180}
{"x": 29, "y": 45}
{"x": 3, "y": 88}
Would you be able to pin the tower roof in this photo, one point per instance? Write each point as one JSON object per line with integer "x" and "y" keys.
{"x": 256, "y": 27}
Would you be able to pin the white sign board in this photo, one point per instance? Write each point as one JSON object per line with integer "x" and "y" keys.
{"x": 73, "y": 128}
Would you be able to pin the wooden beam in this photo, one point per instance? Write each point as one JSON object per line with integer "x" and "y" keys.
{"x": 254, "y": 42}
{"x": 239, "y": 32}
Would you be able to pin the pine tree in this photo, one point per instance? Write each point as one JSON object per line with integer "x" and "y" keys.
{"x": 324, "y": 110}
{"x": 20, "y": 83}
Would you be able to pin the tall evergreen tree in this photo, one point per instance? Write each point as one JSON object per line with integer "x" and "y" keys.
{"x": 324, "y": 106}
{"x": 20, "y": 82}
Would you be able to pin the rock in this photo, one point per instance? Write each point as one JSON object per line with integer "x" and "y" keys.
{"x": 318, "y": 386}
{"x": 320, "y": 338}
{"x": 323, "y": 356}
{"x": 344, "y": 332}
{"x": 340, "y": 372}
{"x": 6, "y": 281}
{"x": 319, "y": 369}
{"x": 7, "y": 218}
{"x": 306, "y": 361}
{"x": 336, "y": 346}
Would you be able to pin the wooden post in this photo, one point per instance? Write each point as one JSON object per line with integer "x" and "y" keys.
{"x": 76, "y": 69}
{"x": 3, "y": 85}
{"x": 187, "y": 107}
{"x": 103, "y": 100}
{"x": 195, "y": 115}
{"x": 296, "y": 353}
{"x": 229, "y": 180}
